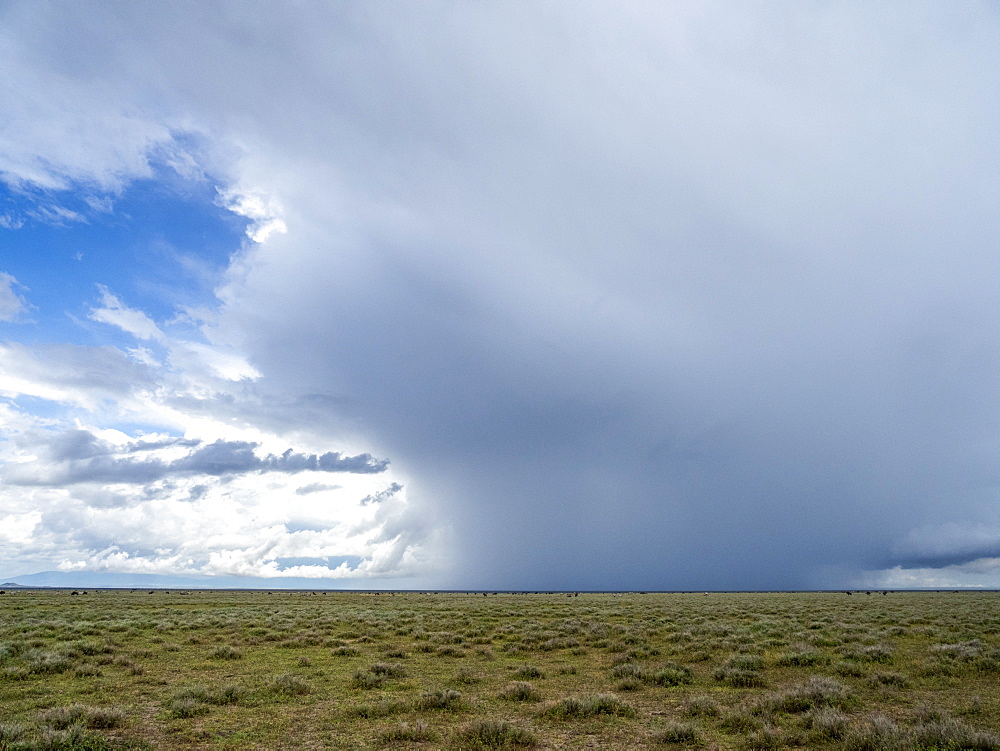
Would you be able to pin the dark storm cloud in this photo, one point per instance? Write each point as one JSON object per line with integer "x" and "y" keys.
{"x": 951, "y": 544}
{"x": 80, "y": 457}
{"x": 699, "y": 305}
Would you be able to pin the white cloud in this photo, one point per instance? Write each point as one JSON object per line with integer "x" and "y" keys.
{"x": 134, "y": 322}
{"x": 12, "y": 305}
{"x": 210, "y": 490}
{"x": 84, "y": 377}
{"x": 264, "y": 212}
{"x": 213, "y": 361}
{"x": 982, "y": 573}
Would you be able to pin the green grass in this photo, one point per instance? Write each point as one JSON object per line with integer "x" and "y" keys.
{"x": 243, "y": 670}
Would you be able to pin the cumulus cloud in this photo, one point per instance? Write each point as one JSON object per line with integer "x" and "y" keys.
{"x": 207, "y": 487}
{"x": 263, "y": 211}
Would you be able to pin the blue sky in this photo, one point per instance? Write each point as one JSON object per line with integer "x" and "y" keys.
{"x": 573, "y": 295}
{"x": 162, "y": 242}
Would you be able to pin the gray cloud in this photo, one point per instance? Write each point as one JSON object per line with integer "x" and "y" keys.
{"x": 382, "y": 495}
{"x": 75, "y": 445}
{"x": 331, "y": 562}
{"x": 80, "y": 457}
{"x": 699, "y": 321}
{"x": 73, "y": 374}
{"x": 315, "y": 487}
{"x": 949, "y": 544}
{"x": 689, "y": 295}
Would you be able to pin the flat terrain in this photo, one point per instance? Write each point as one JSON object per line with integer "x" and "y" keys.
{"x": 242, "y": 670}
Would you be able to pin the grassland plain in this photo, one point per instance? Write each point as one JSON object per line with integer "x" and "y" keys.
{"x": 297, "y": 670}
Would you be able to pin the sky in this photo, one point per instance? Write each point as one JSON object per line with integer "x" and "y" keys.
{"x": 522, "y": 295}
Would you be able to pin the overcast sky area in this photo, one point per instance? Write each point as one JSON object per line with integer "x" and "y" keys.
{"x": 688, "y": 295}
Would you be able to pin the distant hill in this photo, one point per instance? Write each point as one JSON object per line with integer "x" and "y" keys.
{"x": 99, "y": 579}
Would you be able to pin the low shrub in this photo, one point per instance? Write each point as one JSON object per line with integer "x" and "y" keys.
{"x": 495, "y": 734}
{"x": 365, "y": 679}
{"x": 667, "y": 674}
{"x": 879, "y": 653}
{"x": 384, "y": 708}
{"x": 678, "y": 733}
{"x": 41, "y": 662}
{"x": 78, "y": 714}
{"x": 878, "y": 733}
{"x": 805, "y": 658}
{"x": 850, "y": 669}
{"x": 588, "y": 706}
{"x": 404, "y": 732}
{"x": 529, "y": 671}
{"x": 521, "y": 691}
{"x": 739, "y": 677}
{"x": 442, "y": 698}
{"x": 670, "y": 674}
{"x": 741, "y": 721}
{"x": 965, "y": 651}
{"x": 389, "y": 669}
{"x": 818, "y": 691}
{"x": 702, "y": 706}
{"x": 952, "y": 734}
{"x": 764, "y": 739}
{"x": 71, "y": 739}
{"x": 467, "y": 677}
{"x": 827, "y": 723}
{"x": 888, "y": 679}
{"x": 184, "y": 707}
{"x": 289, "y": 684}
{"x": 226, "y": 652}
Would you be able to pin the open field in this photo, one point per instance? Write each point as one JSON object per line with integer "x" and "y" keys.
{"x": 240, "y": 670}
